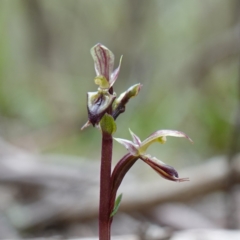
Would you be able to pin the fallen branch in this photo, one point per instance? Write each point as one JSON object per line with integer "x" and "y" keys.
{"x": 81, "y": 203}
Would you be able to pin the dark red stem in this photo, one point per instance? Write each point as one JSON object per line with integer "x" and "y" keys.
{"x": 118, "y": 174}
{"x": 105, "y": 187}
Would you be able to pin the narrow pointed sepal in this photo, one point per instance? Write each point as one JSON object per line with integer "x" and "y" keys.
{"x": 115, "y": 73}
{"x": 135, "y": 138}
{"x": 87, "y": 124}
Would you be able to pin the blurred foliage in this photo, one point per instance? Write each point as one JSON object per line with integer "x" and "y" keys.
{"x": 181, "y": 51}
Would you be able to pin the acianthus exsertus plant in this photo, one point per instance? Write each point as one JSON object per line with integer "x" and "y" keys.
{"x": 104, "y": 107}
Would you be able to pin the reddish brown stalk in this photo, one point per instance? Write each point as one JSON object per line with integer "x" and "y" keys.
{"x": 118, "y": 174}
{"x": 105, "y": 187}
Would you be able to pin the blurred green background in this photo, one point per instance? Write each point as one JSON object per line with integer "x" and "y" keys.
{"x": 185, "y": 53}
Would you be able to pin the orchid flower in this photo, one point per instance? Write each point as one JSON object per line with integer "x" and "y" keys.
{"x": 104, "y": 62}
{"x": 104, "y": 100}
{"x": 138, "y": 149}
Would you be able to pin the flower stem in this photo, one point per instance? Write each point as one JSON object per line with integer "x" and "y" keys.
{"x": 118, "y": 174}
{"x": 105, "y": 187}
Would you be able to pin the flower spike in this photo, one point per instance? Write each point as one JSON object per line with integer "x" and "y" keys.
{"x": 103, "y": 108}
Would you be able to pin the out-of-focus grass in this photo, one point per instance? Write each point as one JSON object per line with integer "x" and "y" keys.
{"x": 46, "y": 70}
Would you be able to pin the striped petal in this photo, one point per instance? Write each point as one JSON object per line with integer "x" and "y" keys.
{"x": 103, "y": 60}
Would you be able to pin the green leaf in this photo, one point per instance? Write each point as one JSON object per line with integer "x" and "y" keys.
{"x": 108, "y": 124}
{"x": 116, "y": 205}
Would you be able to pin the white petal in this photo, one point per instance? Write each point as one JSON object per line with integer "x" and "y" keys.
{"x": 130, "y": 146}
